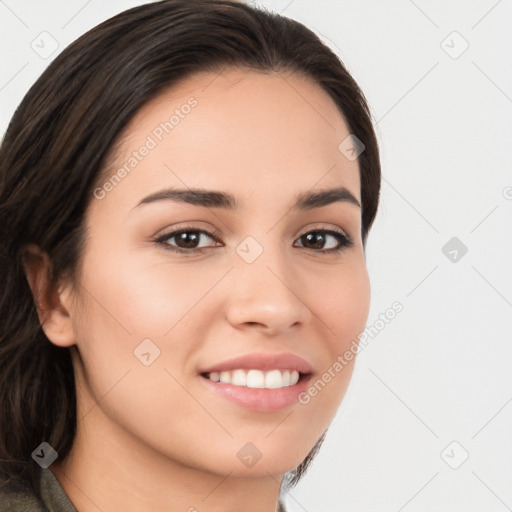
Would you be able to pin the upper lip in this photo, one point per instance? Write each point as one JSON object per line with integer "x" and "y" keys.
{"x": 261, "y": 361}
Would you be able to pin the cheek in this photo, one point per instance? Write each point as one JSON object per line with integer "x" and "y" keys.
{"x": 126, "y": 302}
{"x": 144, "y": 298}
{"x": 131, "y": 308}
{"x": 342, "y": 302}
{"x": 342, "y": 305}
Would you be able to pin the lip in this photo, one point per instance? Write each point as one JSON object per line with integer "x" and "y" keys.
{"x": 264, "y": 362}
{"x": 260, "y": 399}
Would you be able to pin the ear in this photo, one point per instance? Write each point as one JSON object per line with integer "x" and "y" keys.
{"x": 52, "y": 305}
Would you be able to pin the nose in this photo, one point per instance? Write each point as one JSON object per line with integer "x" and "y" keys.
{"x": 266, "y": 296}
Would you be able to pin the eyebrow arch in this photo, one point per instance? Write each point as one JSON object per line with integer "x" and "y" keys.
{"x": 214, "y": 199}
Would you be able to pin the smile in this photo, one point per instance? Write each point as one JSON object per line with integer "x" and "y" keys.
{"x": 254, "y": 378}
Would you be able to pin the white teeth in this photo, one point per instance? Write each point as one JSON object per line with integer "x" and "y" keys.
{"x": 255, "y": 379}
{"x": 238, "y": 378}
{"x": 272, "y": 379}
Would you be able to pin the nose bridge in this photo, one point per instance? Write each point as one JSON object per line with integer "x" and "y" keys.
{"x": 264, "y": 291}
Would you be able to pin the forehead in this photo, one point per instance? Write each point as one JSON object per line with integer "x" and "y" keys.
{"x": 239, "y": 130}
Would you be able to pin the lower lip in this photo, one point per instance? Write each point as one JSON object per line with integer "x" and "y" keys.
{"x": 260, "y": 399}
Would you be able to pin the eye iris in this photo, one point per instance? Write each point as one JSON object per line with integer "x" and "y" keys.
{"x": 316, "y": 238}
{"x": 189, "y": 238}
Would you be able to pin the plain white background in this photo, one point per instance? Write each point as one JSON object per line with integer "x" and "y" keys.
{"x": 426, "y": 424}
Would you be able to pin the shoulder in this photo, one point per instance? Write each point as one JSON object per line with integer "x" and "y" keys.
{"x": 20, "y": 497}
{"x": 15, "y": 497}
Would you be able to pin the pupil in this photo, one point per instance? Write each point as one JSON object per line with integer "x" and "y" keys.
{"x": 188, "y": 239}
{"x": 319, "y": 236}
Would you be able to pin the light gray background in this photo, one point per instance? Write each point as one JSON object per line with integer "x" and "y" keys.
{"x": 440, "y": 371}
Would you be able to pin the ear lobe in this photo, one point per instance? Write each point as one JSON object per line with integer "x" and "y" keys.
{"x": 53, "y": 315}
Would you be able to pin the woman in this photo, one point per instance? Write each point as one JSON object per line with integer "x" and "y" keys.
{"x": 185, "y": 197}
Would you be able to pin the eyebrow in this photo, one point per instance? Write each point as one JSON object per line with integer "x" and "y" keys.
{"x": 215, "y": 199}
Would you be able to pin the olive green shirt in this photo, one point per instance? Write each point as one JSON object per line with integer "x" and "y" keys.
{"x": 54, "y": 497}
{"x": 24, "y": 500}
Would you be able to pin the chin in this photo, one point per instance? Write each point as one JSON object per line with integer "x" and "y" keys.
{"x": 259, "y": 459}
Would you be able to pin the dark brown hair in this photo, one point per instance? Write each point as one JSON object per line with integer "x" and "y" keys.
{"x": 57, "y": 145}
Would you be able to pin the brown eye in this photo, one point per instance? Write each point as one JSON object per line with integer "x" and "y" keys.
{"x": 187, "y": 240}
{"x": 320, "y": 238}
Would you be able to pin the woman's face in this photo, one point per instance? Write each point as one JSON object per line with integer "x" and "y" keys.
{"x": 258, "y": 278}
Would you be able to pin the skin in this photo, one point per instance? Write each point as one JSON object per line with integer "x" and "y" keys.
{"x": 153, "y": 437}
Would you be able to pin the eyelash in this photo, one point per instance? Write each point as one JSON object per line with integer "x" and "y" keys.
{"x": 344, "y": 240}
